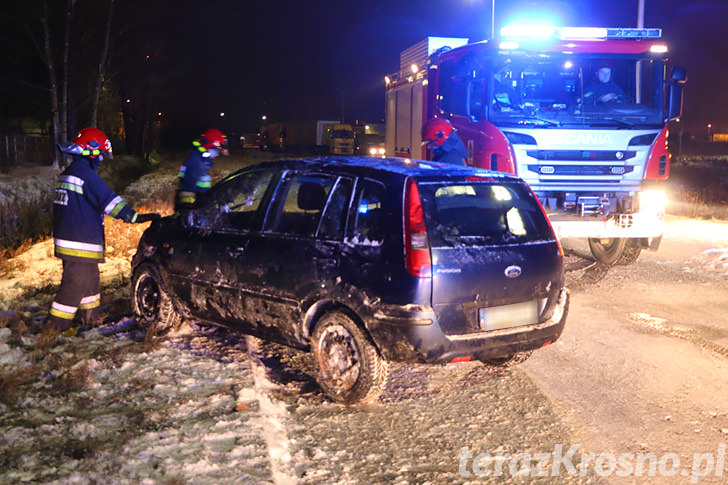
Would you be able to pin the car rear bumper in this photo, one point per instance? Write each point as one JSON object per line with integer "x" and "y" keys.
{"x": 413, "y": 335}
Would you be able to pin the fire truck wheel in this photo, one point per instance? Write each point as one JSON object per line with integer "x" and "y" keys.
{"x": 607, "y": 250}
{"x": 630, "y": 253}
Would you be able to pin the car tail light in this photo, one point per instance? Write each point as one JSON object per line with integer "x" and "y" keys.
{"x": 543, "y": 211}
{"x": 416, "y": 244}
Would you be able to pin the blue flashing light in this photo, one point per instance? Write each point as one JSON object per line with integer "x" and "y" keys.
{"x": 617, "y": 33}
{"x": 548, "y": 32}
{"x": 528, "y": 32}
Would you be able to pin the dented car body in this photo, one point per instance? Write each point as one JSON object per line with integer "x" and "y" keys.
{"x": 362, "y": 261}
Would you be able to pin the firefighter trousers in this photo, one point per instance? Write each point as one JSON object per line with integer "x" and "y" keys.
{"x": 80, "y": 290}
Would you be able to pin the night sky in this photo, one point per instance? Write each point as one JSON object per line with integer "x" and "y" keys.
{"x": 293, "y": 60}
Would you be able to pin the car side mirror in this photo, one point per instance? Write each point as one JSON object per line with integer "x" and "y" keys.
{"x": 679, "y": 77}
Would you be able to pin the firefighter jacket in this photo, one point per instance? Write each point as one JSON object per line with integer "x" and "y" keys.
{"x": 81, "y": 200}
{"x": 451, "y": 151}
{"x": 194, "y": 175}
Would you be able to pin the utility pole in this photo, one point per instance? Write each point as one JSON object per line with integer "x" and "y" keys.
{"x": 640, "y": 25}
{"x": 641, "y": 14}
{"x": 492, "y": 19}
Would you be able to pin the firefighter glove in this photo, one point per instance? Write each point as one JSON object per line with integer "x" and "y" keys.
{"x": 147, "y": 217}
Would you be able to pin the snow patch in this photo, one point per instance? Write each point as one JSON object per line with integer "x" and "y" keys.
{"x": 273, "y": 416}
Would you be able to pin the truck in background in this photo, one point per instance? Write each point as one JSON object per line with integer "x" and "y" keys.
{"x": 518, "y": 104}
{"x": 271, "y": 137}
{"x": 319, "y": 136}
{"x": 341, "y": 139}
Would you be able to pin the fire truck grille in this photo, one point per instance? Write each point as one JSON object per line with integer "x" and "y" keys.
{"x": 590, "y": 170}
{"x": 581, "y": 155}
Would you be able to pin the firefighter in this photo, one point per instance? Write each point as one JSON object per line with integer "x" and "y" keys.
{"x": 602, "y": 89}
{"x": 194, "y": 175}
{"x": 447, "y": 147}
{"x": 82, "y": 199}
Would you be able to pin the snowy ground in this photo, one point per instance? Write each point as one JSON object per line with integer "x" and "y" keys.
{"x": 204, "y": 406}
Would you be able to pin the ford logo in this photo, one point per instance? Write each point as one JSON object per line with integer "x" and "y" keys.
{"x": 513, "y": 271}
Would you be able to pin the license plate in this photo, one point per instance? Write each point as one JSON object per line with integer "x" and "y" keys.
{"x": 508, "y": 316}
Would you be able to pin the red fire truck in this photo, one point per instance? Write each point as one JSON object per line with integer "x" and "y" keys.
{"x": 525, "y": 104}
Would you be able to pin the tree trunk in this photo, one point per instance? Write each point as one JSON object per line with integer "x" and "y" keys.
{"x": 102, "y": 67}
{"x": 63, "y": 117}
{"x": 57, "y": 160}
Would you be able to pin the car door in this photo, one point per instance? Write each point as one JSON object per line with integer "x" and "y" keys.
{"x": 221, "y": 227}
{"x": 296, "y": 256}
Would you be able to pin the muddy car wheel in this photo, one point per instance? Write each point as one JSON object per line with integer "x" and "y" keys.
{"x": 508, "y": 360}
{"x": 607, "y": 250}
{"x": 152, "y": 305}
{"x": 347, "y": 365}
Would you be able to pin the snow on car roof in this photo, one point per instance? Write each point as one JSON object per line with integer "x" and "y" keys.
{"x": 403, "y": 166}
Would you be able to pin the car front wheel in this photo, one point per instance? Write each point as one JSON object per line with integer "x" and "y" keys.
{"x": 347, "y": 365}
{"x": 152, "y": 305}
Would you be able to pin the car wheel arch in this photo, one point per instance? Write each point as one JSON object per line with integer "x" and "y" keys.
{"x": 320, "y": 308}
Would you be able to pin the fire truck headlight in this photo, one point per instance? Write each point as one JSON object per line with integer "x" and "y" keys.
{"x": 653, "y": 200}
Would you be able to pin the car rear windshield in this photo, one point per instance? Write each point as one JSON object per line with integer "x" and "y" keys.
{"x": 473, "y": 213}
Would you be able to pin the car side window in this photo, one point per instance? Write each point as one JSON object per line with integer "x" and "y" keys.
{"x": 235, "y": 202}
{"x": 333, "y": 222}
{"x": 300, "y": 204}
{"x": 245, "y": 201}
{"x": 369, "y": 224}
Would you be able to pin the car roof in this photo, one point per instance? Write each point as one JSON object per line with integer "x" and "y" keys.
{"x": 392, "y": 165}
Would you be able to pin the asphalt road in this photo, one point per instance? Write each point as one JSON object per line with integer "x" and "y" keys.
{"x": 635, "y": 390}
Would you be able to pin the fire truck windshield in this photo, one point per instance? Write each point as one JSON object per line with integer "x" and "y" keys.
{"x": 571, "y": 90}
{"x": 553, "y": 90}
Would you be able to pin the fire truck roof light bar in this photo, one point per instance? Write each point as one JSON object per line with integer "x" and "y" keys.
{"x": 544, "y": 32}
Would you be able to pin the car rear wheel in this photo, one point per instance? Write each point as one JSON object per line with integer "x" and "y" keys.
{"x": 152, "y": 305}
{"x": 347, "y": 365}
{"x": 508, "y": 360}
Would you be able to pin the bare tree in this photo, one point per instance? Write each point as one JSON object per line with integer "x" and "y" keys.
{"x": 66, "y": 84}
{"x": 102, "y": 66}
{"x": 48, "y": 59}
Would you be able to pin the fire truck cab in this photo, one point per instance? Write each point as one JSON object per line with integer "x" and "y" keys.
{"x": 531, "y": 103}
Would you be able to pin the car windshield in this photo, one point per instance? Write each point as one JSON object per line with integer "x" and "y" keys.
{"x": 476, "y": 213}
{"x": 570, "y": 90}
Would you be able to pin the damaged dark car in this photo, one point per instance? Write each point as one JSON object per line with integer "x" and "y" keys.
{"x": 362, "y": 261}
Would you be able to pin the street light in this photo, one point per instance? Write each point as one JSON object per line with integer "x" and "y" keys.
{"x": 710, "y": 134}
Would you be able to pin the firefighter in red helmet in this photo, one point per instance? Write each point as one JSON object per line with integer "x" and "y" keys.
{"x": 194, "y": 175}
{"x": 82, "y": 199}
{"x": 441, "y": 136}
